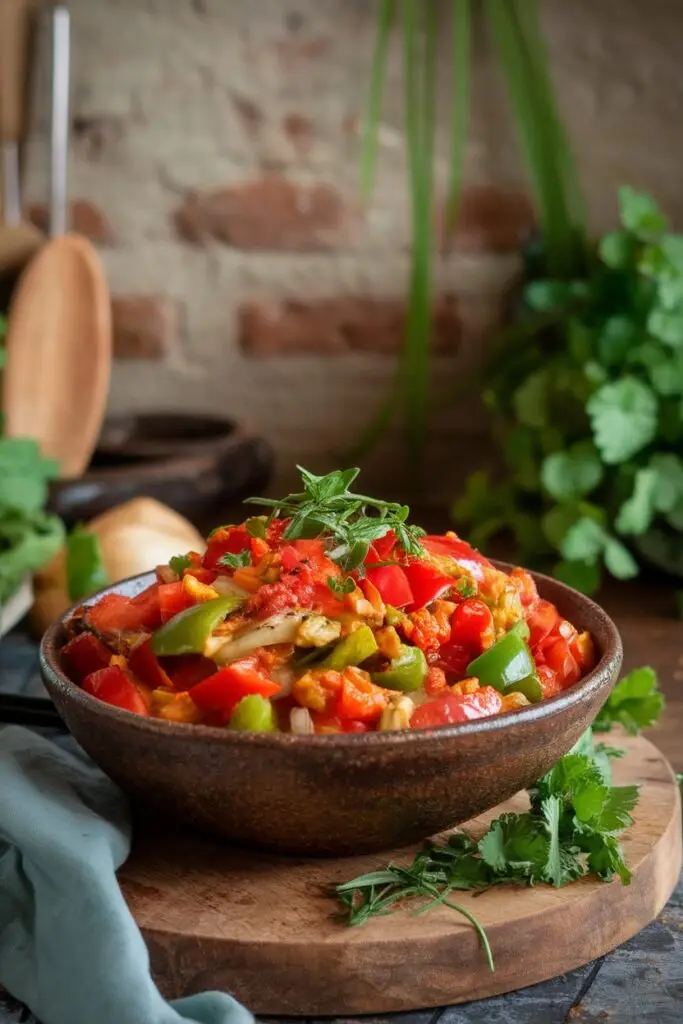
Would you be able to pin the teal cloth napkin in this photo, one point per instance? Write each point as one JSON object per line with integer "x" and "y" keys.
{"x": 69, "y": 948}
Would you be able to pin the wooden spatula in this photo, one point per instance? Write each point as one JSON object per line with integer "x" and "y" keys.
{"x": 56, "y": 379}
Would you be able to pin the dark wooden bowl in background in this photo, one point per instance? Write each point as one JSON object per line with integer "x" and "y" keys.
{"x": 201, "y": 466}
{"x": 340, "y": 794}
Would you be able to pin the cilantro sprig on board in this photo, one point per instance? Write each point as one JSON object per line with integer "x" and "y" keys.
{"x": 353, "y": 521}
{"x": 572, "y": 829}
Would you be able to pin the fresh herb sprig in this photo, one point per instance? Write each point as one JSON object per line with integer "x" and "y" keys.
{"x": 352, "y": 521}
{"x": 636, "y": 703}
{"x": 239, "y": 560}
{"x": 572, "y": 829}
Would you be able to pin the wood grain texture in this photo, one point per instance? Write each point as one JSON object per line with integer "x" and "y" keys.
{"x": 261, "y": 926}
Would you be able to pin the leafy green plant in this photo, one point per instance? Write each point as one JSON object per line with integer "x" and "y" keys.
{"x": 514, "y": 26}
{"x": 572, "y": 829}
{"x": 589, "y": 412}
{"x": 28, "y": 536}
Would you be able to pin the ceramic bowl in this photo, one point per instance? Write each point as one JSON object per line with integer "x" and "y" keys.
{"x": 340, "y": 794}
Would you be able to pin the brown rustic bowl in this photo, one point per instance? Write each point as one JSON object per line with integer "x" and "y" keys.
{"x": 341, "y": 794}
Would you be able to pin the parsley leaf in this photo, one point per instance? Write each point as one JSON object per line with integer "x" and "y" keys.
{"x": 236, "y": 561}
{"x": 85, "y": 571}
{"x": 179, "y": 563}
{"x": 514, "y": 844}
{"x": 341, "y": 586}
{"x": 623, "y": 417}
{"x": 572, "y": 474}
{"x": 466, "y": 587}
{"x": 636, "y": 514}
{"x": 636, "y": 703}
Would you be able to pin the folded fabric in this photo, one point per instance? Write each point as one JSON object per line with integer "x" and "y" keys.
{"x": 69, "y": 948}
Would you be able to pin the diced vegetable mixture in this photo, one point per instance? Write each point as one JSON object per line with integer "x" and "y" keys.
{"x": 328, "y": 614}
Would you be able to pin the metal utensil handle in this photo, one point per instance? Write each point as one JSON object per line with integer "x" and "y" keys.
{"x": 59, "y": 122}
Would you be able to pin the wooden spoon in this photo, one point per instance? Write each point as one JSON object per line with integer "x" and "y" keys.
{"x": 56, "y": 379}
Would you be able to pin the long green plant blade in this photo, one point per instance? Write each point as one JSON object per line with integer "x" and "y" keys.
{"x": 527, "y": 12}
{"x": 420, "y": 103}
{"x": 373, "y": 110}
{"x": 460, "y": 107}
{"x": 536, "y": 138}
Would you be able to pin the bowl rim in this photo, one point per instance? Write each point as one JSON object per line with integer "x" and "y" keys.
{"x": 608, "y": 665}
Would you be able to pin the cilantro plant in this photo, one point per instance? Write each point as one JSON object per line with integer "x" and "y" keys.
{"x": 587, "y": 397}
{"x": 28, "y": 536}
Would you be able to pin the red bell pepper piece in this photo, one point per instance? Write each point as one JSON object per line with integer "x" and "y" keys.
{"x": 114, "y": 612}
{"x": 114, "y": 686}
{"x": 173, "y": 598}
{"x": 359, "y": 699}
{"x": 426, "y": 583}
{"x": 463, "y": 553}
{"x": 147, "y": 609}
{"x": 145, "y": 665}
{"x": 289, "y": 557}
{"x": 381, "y": 549}
{"x": 227, "y": 540}
{"x": 548, "y": 680}
{"x": 83, "y": 655}
{"x": 392, "y": 584}
{"x": 454, "y": 707}
{"x": 223, "y": 690}
{"x": 472, "y": 625}
{"x": 186, "y": 670}
{"x": 542, "y": 622}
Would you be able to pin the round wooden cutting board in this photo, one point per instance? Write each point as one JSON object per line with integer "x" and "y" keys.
{"x": 262, "y": 927}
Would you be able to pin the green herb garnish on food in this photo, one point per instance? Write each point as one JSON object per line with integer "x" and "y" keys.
{"x": 346, "y": 585}
{"x": 236, "y": 561}
{"x": 85, "y": 571}
{"x": 354, "y": 521}
{"x": 571, "y": 830}
{"x": 179, "y": 563}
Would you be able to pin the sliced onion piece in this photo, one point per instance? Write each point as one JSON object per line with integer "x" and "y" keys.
{"x": 278, "y": 629}
{"x": 300, "y": 722}
{"x": 226, "y": 588}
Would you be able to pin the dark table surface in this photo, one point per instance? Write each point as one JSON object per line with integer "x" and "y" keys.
{"x": 641, "y": 981}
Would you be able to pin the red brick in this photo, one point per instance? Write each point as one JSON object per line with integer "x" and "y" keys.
{"x": 84, "y": 218}
{"x": 299, "y": 131}
{"x": 144, "y": 326}
{"x": 337, "y": 326}
{"x": 269, "y": 214}
{"x": 491, "y": 219}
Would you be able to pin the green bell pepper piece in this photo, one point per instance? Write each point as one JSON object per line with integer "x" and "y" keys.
{"x": 188, "y": 631}
{"x": 392, "y": 616}
{"x": 521, "y": 628}
{"x": 253, "y": 714}
{"x": 530, "y": 687}
{"x": 406, "y": 672}
{"x": 507, "y": 662}
{"x": 352, "y": 650}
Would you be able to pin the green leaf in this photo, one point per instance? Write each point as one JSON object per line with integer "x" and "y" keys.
{"x": 595, "y": 373}
{"x": 557, "y": 521}
{"x": 618, "y": 250}
{"x": 618, "y": 336}
{"x": 619, "y": 560}
{"x": 236, "y": 561}
{"x": 636, "y": 702}
{"x": 514, "y": 845}
{"x": 27, "y": 542}
{"x": 589, "y": 800}
{"x": 666, "y": 374}
{"x": 623, "y": 418}
{"x": 640, "y": 214}
{"x": 636, "y": 514}
{"x": 667, "y": 325}
{"x": 85, "y": 571}
{"x": 605, "y": 857}
{"x": 584, "y": 541}
{"x": 543, "y": 296}
{"x": 668, "y": 469}
{"x": 572, "y": 474}
{"x": 179, "y": 563}
{"x": 581, "y": 575}
{"x": 615, "y": 813}
{"x": 530, "y": 400}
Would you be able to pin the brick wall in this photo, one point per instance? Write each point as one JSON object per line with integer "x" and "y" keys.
{"x": 214, "y": 163}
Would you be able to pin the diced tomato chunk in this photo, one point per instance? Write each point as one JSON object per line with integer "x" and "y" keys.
{"x": 455, "y": 658}
{"x": 145, "y": 665}
{"x": 173, "y": 598}
{"x": 114, "y": 686}
{"x": 359, "y": 698}
{"x": 83, "y": 655}
{"x": 228, "y": 540}
{"x": 472, "y": 625}
{"x": 426, "y": 583}
{"x": 147, "y": 609}
{"x": 392, "y": 584}
{"x": 453, "y": 708}
{"x": 222, "y": 691}
{"x": 560, "y": 660}
{"x": 289, "y": 557}
{"x": 548, "y": 680}
{"x": 186, "y": 670}
{"x": 463, "y": 553}
{"x": 527, "y": 588}
{"x": 114, "y": 612}
{"x": 541, "y": 622}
